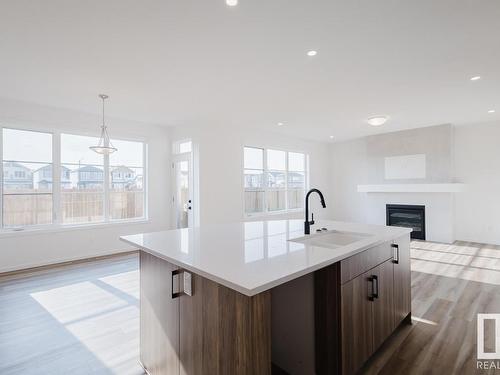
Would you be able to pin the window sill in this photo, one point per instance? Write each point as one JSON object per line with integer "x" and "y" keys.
{"x": 31, "y": 231}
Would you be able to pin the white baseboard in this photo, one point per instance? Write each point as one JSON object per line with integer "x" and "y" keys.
{"x": 53, "y": 262}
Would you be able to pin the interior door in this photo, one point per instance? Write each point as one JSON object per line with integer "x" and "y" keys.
{"x": 183, "y": 190}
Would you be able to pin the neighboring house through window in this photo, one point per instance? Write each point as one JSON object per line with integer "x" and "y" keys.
{"x": 25, "y": 202}
{"x": 274, "y": 180}
{"x": 85, "y": 193}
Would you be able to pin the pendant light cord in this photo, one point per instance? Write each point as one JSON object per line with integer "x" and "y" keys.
{"x": 103, "y": 98}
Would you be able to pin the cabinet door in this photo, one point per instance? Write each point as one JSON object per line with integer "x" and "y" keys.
{"x": 383, "y": 304}
{"x": 198, "y": 333}
{"x": 402, "y": 279}
{"x": 159, "y": 317}
{"x": 357, "y": 323}
{"x": 223, "y": 331}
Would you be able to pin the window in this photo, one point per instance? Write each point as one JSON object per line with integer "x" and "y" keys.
{"x": 274, "y": 180}
{"x": 91, "y": 188}
{"x": 26, "y": 197}
{"x": 126, "y": 182}
{"x": 296, "y": 179}
{"x": 82, "y": 194}
{"x": 182, "y": 147}
{"x": 254, "y": 179}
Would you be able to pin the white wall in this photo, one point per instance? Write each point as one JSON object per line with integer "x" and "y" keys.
{"x": 468, "y": 154}
{"x": 221, "y": 168}
{"x": 477, "y": 163}
{"x": 22, "y": 250}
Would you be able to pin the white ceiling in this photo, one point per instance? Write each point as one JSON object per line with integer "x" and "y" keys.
{"x": 202, "y": 62}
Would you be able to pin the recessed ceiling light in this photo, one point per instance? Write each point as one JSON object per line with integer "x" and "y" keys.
{"x": 475, "y": 78}
{"x": 377, "y": 120}
{"x": 491, "y": 111}
{"x": 331, "y": 137}
{"x": 232, "y": 3}
{"x": 280, "y": 124}
{"x": 312, "y": 53}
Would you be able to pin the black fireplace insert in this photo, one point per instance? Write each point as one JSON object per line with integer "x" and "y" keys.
{"x": 400, "y": 215}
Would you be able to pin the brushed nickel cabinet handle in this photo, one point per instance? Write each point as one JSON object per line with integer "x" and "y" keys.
{"x": 375, "y": 286}
{"x": 175, "y": 294}
{"x": 373, "y": 279}
{"x": 187, "y": 283}
{"x": 395, "y": 256}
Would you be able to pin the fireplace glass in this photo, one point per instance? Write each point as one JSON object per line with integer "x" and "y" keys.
{"x": 399, "y": 215}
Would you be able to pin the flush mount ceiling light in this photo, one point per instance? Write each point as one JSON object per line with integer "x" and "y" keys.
{"x": 377, "y": 120}
{"x": 331, "y": 137}
{"x": 475, "y": 78}
{"x": 104, "y": 147}
{"x": 312, "y": 53}
{"x": 491, "y": 111}
{"x": 280, "y": 124}
{"x": 232, "y": 3}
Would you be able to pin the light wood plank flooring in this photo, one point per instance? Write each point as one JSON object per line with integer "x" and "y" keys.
{"x": 450, "y": 285}
{"x": 84, "y": 318}
{"x": 75, "y": 319}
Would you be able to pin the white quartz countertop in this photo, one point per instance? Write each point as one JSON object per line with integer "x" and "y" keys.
{"x": 251, "y": 257}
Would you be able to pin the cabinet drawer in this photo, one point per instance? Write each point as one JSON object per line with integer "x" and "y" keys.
{"x": 362, "y": 262}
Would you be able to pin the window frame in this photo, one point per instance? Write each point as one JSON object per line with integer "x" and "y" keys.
{"x": 266, "y": 188}
{"x": 57, "y": 223}
{"x": 145, "y": 215}
{"x": 2, "y": 178}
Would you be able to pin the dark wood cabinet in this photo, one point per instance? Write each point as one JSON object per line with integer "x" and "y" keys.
{"x": 357, "y": 323}
{"x": 374, "y": 298}
{"x": 367, "y": 315}
{"x": 223, "y": 331}
{"x": 355, "y": 306}
{"x": 402, "y": 279}
{"x": 159, "y": 331}
{"x": 361, "y": 262}
{"x": 215, "y": 330}
{"x": 383, "y": 304}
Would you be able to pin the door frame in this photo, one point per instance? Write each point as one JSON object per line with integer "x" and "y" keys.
{"x": 191, "y": 213}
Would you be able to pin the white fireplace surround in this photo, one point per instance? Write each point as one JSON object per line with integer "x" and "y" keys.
{"x": 439, "y": 211}
{"x": 452, "y": 187}
{"x": 460, "y": 189}
{"x": 438, "y": 200}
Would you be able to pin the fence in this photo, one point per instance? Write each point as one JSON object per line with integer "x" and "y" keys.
{"x": 76, "y": 207}
{"x": 254, "y": 200}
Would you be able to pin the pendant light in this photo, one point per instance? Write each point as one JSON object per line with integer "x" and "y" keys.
{"x": 104, "y": 147}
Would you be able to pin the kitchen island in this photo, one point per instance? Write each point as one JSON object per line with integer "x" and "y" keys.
{"x": 260, "y": 297}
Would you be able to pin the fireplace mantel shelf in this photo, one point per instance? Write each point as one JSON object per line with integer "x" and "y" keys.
{"x": 452, "y": 187}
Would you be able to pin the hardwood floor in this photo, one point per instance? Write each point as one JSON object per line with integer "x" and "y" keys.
{"x": 84, "y": 318}
{"x": 75, "y": 319}
{"x": 450, "y": 285}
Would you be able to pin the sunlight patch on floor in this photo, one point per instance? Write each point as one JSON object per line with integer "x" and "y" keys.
{"x": 462, "y": 261}
{"x": 76, "y": 301}
{"x": 425, "y": 321}
{"x": 127, "y": 282}
{"x": 102, "y": 321}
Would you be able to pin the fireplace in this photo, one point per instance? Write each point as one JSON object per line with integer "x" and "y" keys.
{"x": 400, "y": 215}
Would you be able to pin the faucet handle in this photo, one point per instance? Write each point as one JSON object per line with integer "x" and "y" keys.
{"x": 312, "y": 219}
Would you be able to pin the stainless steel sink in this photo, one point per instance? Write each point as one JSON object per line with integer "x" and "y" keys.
{"x": 331, "y": 239}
